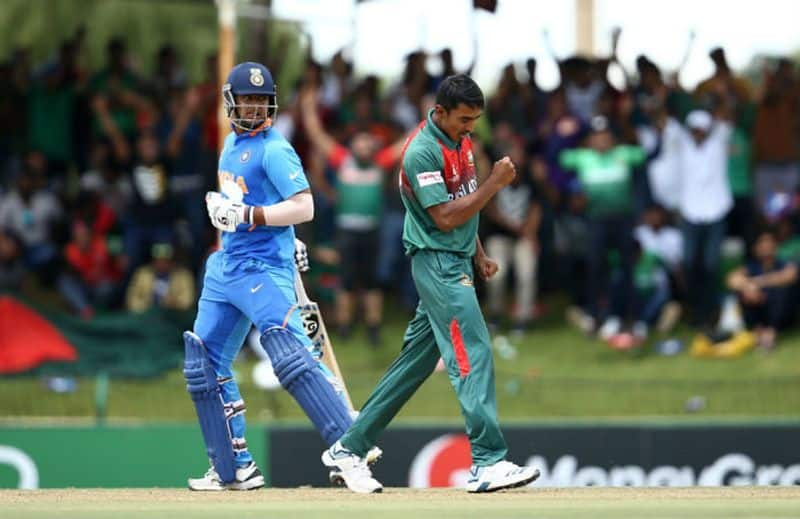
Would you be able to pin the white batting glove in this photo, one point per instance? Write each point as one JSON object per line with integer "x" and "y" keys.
{"x": 300, "y": 256}
{"x": 225, "y": 214}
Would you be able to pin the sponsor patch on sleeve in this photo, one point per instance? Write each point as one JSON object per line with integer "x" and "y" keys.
{"x": 428, "y": 178}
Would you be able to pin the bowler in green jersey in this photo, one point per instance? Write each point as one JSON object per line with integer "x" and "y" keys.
{"x": 440, "y": 190}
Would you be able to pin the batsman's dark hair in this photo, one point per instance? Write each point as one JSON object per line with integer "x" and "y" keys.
{"x": 459, "y": 89}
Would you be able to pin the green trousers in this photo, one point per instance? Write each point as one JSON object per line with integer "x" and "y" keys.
{"x": 448, "y": 323}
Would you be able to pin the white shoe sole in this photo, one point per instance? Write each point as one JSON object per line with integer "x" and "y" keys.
{"x": 250, "y": 484}
{"x": 202, "y": 487}
{"x": 505, "y": 486}
{"x": 337, "y": 477}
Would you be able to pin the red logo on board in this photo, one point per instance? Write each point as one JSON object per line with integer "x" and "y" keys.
{"x": 443, "y": 462}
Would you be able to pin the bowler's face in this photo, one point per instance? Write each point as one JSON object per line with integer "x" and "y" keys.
{"x": 458, "y": 122}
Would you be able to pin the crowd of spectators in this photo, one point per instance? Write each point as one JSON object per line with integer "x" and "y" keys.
{"x": 639, "y": 202}
{"x": 103, "y": 177}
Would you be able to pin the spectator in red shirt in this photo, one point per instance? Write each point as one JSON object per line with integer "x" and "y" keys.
{"x": 91, "y": 277}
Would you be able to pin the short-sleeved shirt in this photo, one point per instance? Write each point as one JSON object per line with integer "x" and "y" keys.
{"x": 359, "y": 188}
{"x": 267, "y": 169}
{"x": 606, "y": 178}
{"x": 434, "y": 170}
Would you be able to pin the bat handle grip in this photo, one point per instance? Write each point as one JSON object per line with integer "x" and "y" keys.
{"x": 300, "y": 289}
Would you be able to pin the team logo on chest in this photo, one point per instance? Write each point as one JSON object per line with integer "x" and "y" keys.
{"x": 455, "y": 177}
{"x": 256, "y": 78}
{"x": 245, "y": 156}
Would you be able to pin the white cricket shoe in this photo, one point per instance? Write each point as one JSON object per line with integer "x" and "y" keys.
{"x": 247, "y": 478}
{"x": 501, "y": 475}
{"x": 610, "y": 328}
{"x": 373, "y": 455}
{"x": 352, "y": 469}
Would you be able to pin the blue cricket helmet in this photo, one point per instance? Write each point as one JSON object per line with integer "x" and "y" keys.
{"x": 249, "y": 78}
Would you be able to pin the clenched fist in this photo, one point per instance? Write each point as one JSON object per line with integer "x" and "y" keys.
{"x": 503, "y": 172}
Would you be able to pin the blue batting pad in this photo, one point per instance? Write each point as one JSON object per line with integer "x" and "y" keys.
{"x": 299, "y": 374}
{"x": 201, "y": 382}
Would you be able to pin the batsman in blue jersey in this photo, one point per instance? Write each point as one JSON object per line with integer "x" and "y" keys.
{"x": 251, "y": 281}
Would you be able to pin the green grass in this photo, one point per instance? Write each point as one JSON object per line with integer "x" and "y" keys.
{"x": 595, "y": 503}
{"x": 556, "y": 373}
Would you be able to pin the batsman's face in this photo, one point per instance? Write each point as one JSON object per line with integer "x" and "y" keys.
{"x": 458, "y": 122}
{"x": 252, "y": 107}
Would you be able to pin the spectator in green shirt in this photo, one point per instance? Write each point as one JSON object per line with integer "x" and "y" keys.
{"x": 605, "y": 178}
{"x": 361, "y": 169}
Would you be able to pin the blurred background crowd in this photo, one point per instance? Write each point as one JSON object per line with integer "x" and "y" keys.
{"x": 639, "y": 203}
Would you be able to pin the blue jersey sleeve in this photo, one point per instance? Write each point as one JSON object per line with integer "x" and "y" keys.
{"x": 284, "y": 170}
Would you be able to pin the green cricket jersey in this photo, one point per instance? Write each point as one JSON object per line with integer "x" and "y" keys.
{"x": 605, "y": 177}
{"x": 434, "y": 170}
{"x": 359, "y": 188}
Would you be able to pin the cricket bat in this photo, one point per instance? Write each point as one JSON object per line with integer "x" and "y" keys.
{"x": 315, "y": 330}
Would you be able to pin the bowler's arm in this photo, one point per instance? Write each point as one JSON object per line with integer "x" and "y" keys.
{"x": 455, "y": 213}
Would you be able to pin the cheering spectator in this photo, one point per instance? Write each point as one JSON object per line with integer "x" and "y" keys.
{"x": 605, "y": 171}
{"x": 118, "y": 86}
{"x": 661, "y": 138}
{"x": 152, "y": 210}
{"x": 360, "y": 172}
{"x": 704, "y": 203}
{"x": 723, "y": 86}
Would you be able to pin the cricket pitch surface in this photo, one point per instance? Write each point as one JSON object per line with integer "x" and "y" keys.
{"x": 277, "y": 503}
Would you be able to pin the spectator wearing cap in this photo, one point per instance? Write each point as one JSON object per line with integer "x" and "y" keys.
{"x": 705, "y": 200}
{"x": 764, "y": 288}
{"x": 162, "y": 283}
{"x": 605, "y": 177}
